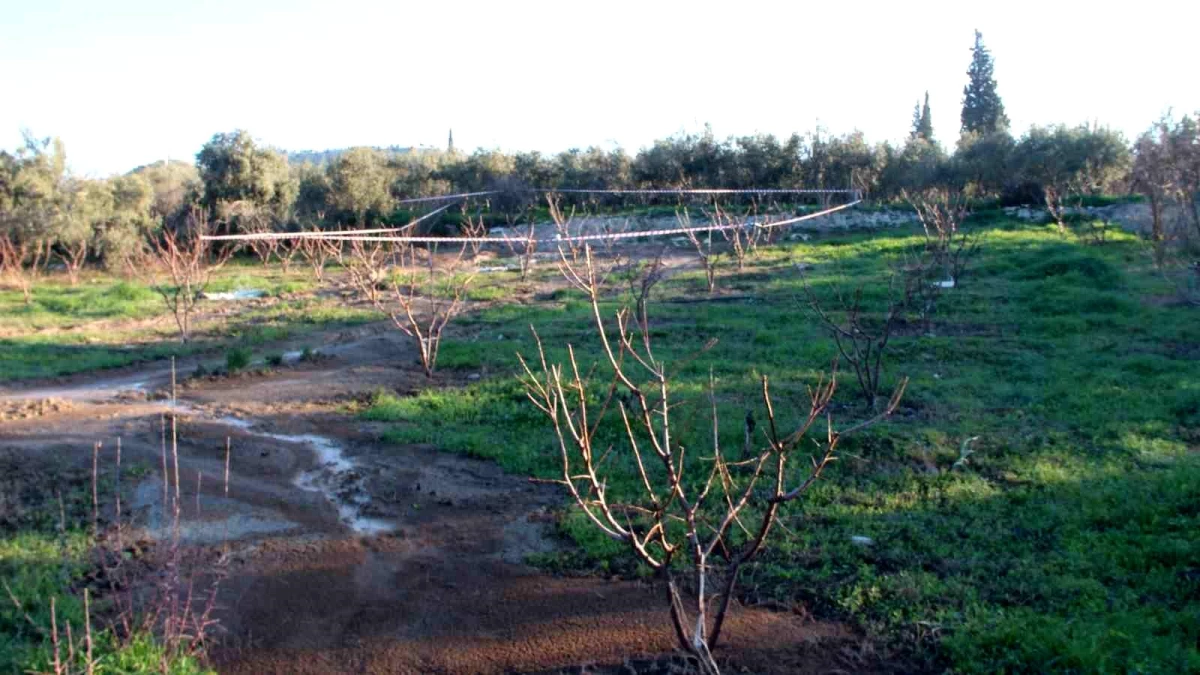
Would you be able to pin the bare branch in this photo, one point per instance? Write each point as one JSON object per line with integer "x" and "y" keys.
{"x": 666, "y": 514}
{"x": 179, "y": 266}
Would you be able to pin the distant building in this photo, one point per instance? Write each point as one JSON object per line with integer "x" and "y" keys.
{"x": 450, "y": 145}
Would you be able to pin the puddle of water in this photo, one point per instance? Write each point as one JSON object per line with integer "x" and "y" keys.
{"x": 95, "y": 391}
{"x": 337, "y": 477}
{"x": 239, "y": 294}
{"x": 241, "y": 520}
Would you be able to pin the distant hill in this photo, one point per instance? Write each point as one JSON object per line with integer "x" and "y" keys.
{"x": 323, "y": 157}
{"x": 176, "y": 166}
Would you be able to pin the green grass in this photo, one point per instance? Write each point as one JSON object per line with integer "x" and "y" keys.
{"x": 1066, "y": 543}
{"x": 106, "y": 322}
{"x": 55, "y": 303}
{"x": 35, "y": 356}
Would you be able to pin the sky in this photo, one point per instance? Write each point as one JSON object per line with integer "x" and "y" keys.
{"x": 127, "y": 82}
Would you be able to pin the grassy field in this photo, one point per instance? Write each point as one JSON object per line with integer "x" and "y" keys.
{"x": 1065, "y": 543}
{"x": 106, "y": 322}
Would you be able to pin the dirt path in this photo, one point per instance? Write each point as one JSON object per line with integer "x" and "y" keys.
{"x": 349, "y": 555}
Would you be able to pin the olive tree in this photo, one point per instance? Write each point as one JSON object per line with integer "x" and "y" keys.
{"x": 121, "y": 240}
{"x": 32, "y": 184}
{"x": 84, "y": 208}
{"x": 360, "y": 184}
{"x": 1070, "y": 162}
{"x": 233, "y": 168}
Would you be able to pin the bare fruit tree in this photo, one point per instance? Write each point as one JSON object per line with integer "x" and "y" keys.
{"x": 367, "y": 264}
{"x": 923, "y": 286}
{"x": 254, "y": 221}
{"x": 710, "y": 258}
{"x": 611, "y": 234}
{"x": 770, "y": 235}
{"x": 286, "y": 252}
{"x": 179, "y": 266}
{"x": 941, "y": 213}
{"x": 696, "y": 531}
{"x": 22, "y": 261}
{"x": 473, "y": 229}
{"x": 563, "y": 229}
{"x": 862, "y": 338}
{"x": 525, "y": 249}
{"x": 524, "y": 245}
{"x": 317, "y": 251}
{"x": 425, "y": 294}
{"x": 742, "y": 236}
{"x": 643, "y": 277}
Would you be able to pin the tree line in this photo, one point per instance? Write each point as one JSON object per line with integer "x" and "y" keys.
{"x": 244, "y": 186}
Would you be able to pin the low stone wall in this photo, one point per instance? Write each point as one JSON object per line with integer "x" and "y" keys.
{"x": 1134, "y": 217}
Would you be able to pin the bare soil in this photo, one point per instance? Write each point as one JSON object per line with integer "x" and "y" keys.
{"x": 395, "y": 560}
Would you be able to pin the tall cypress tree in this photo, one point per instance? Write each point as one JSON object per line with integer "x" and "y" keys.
{"x": 982, "y": 111}
{"x": 922, "y": 124}
{"x": 926, "y": 120}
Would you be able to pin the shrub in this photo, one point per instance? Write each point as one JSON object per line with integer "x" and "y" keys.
{"x": 237, "y": 359}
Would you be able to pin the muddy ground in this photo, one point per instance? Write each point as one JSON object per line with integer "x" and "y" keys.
{"x": 344, "y": 554}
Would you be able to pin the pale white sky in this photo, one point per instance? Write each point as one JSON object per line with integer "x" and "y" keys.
{"x": 125, "y": 82}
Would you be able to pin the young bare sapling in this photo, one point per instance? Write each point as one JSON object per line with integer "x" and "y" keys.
{"x": 922, "y": 285}
{"x": 288, "y": 249}
{"x": 695, "y": 517}
{"x": 178, "y": 612}
{"x": 368, "y": 265}
{"x": 425, "y": 295}
{"x": 861, "y": 336}
{"x": 179, "y": 265}
{"x": 737, "y": 231}
{"x": 258, "y": 223}
{"x": 23, "y": 260}
{"x": 522, "y": 245}
{"x": 317, "y": 251}
{"x": 710, "y": 258}
{"x": 610, "y": 234}
{"x": 473, "y": 230}
{"x": 564, "y": 228}
{"x": 770, "y": 235}
{"x": 941, "y": 213}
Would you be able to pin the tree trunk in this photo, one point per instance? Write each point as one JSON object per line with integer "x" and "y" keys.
{"x": 1156, "y": 226}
